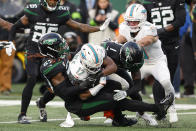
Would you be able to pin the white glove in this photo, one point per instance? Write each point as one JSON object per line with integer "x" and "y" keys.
{"x": 119, "y": 95}
{"x": 105, "y": 24}
{"x": 9, "y": 47}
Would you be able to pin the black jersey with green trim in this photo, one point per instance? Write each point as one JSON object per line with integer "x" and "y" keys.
{"x": 165, "y": 12}
{"x": 51, "y": 67}
{"x": 113, "y": 51}
{"x": 42, "y": 21}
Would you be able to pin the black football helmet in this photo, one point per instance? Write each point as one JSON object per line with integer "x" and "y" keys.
{"x": 45, "y": 4}
{"x": 131, "y": 56}
{"x": 53, "y": 45}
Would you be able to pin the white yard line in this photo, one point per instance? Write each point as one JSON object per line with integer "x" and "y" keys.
{"x": 61, "y": 104}
{"x": 92, "y": 118}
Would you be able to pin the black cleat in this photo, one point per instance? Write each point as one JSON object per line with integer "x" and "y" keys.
{"x": 123, "y": 121}
{"x": 164, "y": 105}
{"x": 22, "y": 119}
{"x": 42, "y": 111}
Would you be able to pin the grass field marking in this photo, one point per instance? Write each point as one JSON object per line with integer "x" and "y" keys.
{"x": 92, "y": 118}
{"x": 61, "y": 104}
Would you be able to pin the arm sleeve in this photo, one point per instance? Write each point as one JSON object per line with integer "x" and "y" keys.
{"x": 180, "y": 14}
{"x": 14, "y": 28}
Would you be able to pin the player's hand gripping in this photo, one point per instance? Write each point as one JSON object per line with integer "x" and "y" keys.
{"x": 120, "y": 94}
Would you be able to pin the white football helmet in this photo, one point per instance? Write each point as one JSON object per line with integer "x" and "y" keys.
{"x": 76, "y": 71}
{"x": 135, "y": 12}
{"x": 91, "y": 57}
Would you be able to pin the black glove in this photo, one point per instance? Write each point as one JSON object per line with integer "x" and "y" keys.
{"x": 160, "y": 31}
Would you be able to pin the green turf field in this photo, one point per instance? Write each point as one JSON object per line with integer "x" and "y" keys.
{"x": 8, "y": 117}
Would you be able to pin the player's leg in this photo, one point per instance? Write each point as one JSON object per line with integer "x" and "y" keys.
{"x": 101, "y": 102}
{"x": 32, "y": 68}
{"x": 161, "y": 73}
{"x": 41, "y": 104}
{"x": 136, "y": 96}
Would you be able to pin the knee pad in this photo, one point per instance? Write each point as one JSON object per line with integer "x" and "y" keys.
{"x": 167, "y": 85}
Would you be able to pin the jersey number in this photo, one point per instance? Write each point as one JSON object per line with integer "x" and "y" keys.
{"x": 42, "y": 30}
{"x": 161, "y": 18}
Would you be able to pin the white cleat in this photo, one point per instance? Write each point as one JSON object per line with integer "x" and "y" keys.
{"x": 68, "y": 122}
{"x": 148, "y": 118}
{"x": 173, "y": 117}
{"x": 108, "y": 121}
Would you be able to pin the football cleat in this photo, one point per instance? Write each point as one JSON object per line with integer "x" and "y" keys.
{"x": 167, "y": 101}
{"x": 42, "y": 112}
{"x": 173, "y": 117}
{"x": 123, "y": 121}
{"x": 109, "y": 116}
{"x": 68, "y": 122}
{"x": 22, "y": 119}
{"x": 108, "y": 121}
{"x": 149, "y": 119}
{"x": 164, "y": 105}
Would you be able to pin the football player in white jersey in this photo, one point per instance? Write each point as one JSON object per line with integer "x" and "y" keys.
{"x": 135, "y": 28}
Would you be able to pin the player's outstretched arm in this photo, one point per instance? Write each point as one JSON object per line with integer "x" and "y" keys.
{"x": 19, "y": 24}
{"x": 147, "y": 40}
{"x": 87, "y": 28}
{"x": 5, "y": 25}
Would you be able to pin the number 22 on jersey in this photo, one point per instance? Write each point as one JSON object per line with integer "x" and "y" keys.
{"x": 162, "y": 18}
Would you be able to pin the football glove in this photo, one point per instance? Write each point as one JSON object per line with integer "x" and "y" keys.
{"x": 105, "y": 24}
{"x": 9, "y": 47}
{"x": 120, "y": 95}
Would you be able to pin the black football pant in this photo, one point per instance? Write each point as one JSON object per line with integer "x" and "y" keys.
{"x": 101, "y": 102}
{"x": 171, "y": 50}
{"x": 124, "y": 74}
{"x": 188, "y": 64}
{"x": 33, "y": 71}
{"x": 104, "y": 101}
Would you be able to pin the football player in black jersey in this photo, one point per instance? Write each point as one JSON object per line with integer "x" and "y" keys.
{"x": 79, "y": 98}
{"x": 42, "y": 18}
{"x": 168, "y": 16}
{"x": 131, "y": 63}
